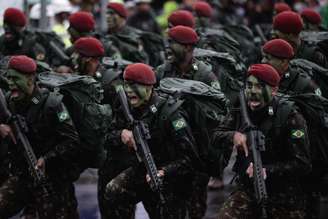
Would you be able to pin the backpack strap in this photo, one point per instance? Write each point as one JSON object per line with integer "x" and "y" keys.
{"x": 284, "y": 108}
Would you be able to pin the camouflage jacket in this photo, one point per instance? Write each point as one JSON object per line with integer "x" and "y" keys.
{"x": 26, "y": 46}
{"x": 52, "y": 135}
{"x": 286, "y": 157}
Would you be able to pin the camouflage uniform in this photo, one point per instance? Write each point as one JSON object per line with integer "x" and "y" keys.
{"x": 286, "y": 160}
{"x": 27, "y": 45}
{"x": 199, "y": 71}
{"x": 129, "y": 44}
{"x": 118, "y": 157}
{"x": 53, "y": 137}
{"x": 173, "y": 150}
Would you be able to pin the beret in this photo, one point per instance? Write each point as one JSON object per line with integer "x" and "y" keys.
{"x": 281, "y": 7}
{"x": 182, "y": 17}
{"x": 118, "y": 8}
{"x": 203, "y": 9}
{"x": 183, "y": 35}
{"x": 288, "y": 22}
{"x": 82, "y": 21}
{"x": 22, "y": 64}
{"x": 279, "y": 48}
{"x": 140, "y": 73}
{"x": 14, "y": 16}
{"x": 266, "y": 73}
{"x": 89, "y": 47}
{"x": 311, "y": 16}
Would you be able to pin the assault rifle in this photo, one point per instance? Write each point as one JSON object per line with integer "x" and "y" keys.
{"x": 18, "y": 125}
{"x": 141, "y": 135}
{"x": 256, "y": 140}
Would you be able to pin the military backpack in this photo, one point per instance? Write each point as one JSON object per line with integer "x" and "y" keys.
{"x": 317, "y": 73}
{"x": 206, "y": 108}
{"x": 314, "y": 108}
{"x": 82, "y": 96}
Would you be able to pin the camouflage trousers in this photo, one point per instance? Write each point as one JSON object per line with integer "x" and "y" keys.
{"x": 130, "y": 187}
{"x": 17, "y": 193}
{"x": 241, "y": 206}
{"x": 106, "y": 173}
{"x": 197, "y": 204}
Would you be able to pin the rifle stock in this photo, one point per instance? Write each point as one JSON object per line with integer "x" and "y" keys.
{"x": 256, "y": 141}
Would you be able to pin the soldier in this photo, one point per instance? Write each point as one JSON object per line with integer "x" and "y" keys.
{"x": 287, "y": 26}
{"x": 311, "y": 20}
{"x": 203, "y": 13}
{"x": 54, "y": 140}
{"x": 181, "y": 63}
{"x": 86, "y": 56}
{"x": 17, "y": 40}
{"x": 143, "y": 17}
{"x": 125, "y": 38}
{"x": 278, "y": 54}
{"x": 170, "y": 144}
{"x": 285, "y": 159}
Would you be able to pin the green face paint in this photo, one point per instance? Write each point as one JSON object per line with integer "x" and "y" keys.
{"x": 112, "y": 18}
{"x": 18, "y": 85}
{"x": 137, "y": 94}
{"x": 258, "y": 94}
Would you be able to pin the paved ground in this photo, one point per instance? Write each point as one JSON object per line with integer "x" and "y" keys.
{"x": 86, "y": 191}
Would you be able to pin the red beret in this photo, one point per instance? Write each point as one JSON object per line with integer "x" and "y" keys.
{"x": 14, "y": 16}
{"x": 82, "y": 21}
{"x": 22, "y": 64}
{"x": 183, "y": 35}
{"x": 311, "y": 16}
{"x": 281, "y": 7}
{"x": 203, "y": 9}
{"x": 140, "y": 73}
{"x": 118, "y": 8}
{"x": 279, "y": 48}
{"x": 89, "y": 47}
{"x": 182, "y": 17}
{"x": 266, "y": 73}
{"x": 288, "y": 22}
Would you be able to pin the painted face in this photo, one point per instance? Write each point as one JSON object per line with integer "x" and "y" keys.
{"x": 112, "y": 19}
{"x": 176, "y": 52}
{"x": 137, "y": 94}
{"x": 19, "y": 85}
{"x": 258, "y": 94}
{"x": 12, "y": 33}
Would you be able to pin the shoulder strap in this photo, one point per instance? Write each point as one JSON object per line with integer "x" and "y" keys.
{"x": 284, "y": 109}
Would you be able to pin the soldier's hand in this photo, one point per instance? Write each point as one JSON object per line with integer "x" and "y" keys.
{"x": 41, "y": 165}
{"x": 160, "y": 173}
{"x": 5, "y": 131}
{"x": 250, "y": 171}
{"x": 128, "y": 139}
{"x": 239, "y": 141}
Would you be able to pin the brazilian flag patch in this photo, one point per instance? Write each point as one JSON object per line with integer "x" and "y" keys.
{"x": 63, "y": 115}
{"x": 297, "y": 133}
{"x": 179, "y": 124}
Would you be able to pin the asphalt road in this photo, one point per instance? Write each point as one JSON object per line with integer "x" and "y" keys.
{"x": 86, "y": 190}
